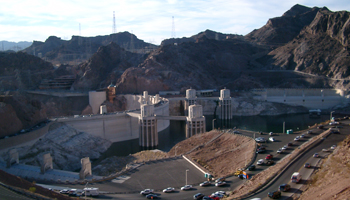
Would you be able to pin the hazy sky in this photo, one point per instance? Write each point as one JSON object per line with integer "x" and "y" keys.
{"x": 149, "y": 20}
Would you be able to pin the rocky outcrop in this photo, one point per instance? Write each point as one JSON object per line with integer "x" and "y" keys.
{"x": 321, "y": 48}
{"x": 10, "y": 123}
{"x": 105, "y": 67}
{"x": 67, "y": 147}
{"x": 280, "y": 30}
{"x": 249, "y": 107}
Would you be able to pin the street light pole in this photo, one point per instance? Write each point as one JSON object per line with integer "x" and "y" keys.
{"x": 186, "y": 175}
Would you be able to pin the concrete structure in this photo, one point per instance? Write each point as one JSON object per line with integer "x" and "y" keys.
{"x": 195, "y": 121}
{"x": 85, "y": 168}
{"x": 103, "y": 109}
{"x": 96, "y": 98}
{"x": 12, "y": 157}
{"x": 310, "y": 98}
{"x": 47, "y": 163}
{"x": 148, "y": 127}
{"x": 225, "y": 105}
{"x": 190, "y": 99}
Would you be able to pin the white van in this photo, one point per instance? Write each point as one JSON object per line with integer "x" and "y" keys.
{"x": 91, "y": 192}
{"x": 296, "y": 177}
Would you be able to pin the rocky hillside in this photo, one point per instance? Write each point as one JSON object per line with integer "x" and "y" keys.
{"x": 66, "y": 145}
{"x": 280, "y": 30}
{"x": 207, "y": 33}
{"x": 321, "y": 48}
{"x": 332, "y": 180}
{"x": 79, "y": 48}
{"x": 105, "y": 67}
{"x": 22, "y": 71}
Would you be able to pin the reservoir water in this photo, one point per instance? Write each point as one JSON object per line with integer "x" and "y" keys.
{"x": 176, "y": 131}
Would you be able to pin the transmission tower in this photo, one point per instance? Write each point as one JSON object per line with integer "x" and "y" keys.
{"x": 173, "y": 29}
{"x": 114, "y": 26}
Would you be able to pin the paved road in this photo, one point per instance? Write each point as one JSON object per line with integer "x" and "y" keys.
{"x": 6, "y": 194}
{"x": 298, "y": 166}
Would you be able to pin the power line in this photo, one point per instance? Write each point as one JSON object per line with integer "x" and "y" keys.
{"x": 173, "y": 29}
{"x": 114, "y": 26}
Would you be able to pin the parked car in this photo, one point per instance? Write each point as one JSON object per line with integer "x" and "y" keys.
{"x": 285, "y": 147}
{"x": 205, "y": 183}
{"x": 261, "y": 150}
{"x": 260, "y": 139}
{"x": 251, "y": 168}
{"x": 297, "y": 138}
{"x": 309, "y": 132}
{"x": 290, "y": 144}
{"x": 320, "y": 127}
{"x": 206, "y": 198}
{"x": 64, "y": 191}
{"x": 146, "y": 191}
{"x": 307, "y": 165}
{"x": 280, "y": 150}
{"x": 274, "y": 194}
{"x": 272, "y": 139}
{"x": 169, "y": 189}
{"x": 220, "y": 183}
{"x": 198, "y": 196}
{"x": 316, "y": 155}
{"x": 333, "y": 147}
{"x": 152, "y": 196}
{"x": 215, "y": 197}
{"x": 269, "y": 157}
{"x": 220, "y": 179}
{"x": 236, "y": 132}
{"x": 186, "y": 187}
{"x": 302, "y": 135}
{"x": 260, "y": 162}
{"x": 284, "y": 187}
{"x": 271, "y": 133}
{"x": 270, "y": 162}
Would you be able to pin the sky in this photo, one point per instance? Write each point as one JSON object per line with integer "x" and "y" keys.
{"x": 150, "y": 20}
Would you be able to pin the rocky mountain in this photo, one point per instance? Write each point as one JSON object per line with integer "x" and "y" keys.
{"x": 22, "y": 71}
{"x": 321, "y": 48}
{"x": 207, "y": 33}
{"x": 14, "y": 46}
{"x": 79, "y": 48}
{"x": 280, "y": 30}
{"x": 105, "y": 67}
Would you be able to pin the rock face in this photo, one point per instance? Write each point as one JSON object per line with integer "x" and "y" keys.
{"x": 67, "y": 147}
{"x": 10, "y": 123}
{"x": 57, "y": 50}
{"x": 280, "y": 30}
{"x": 105, "y": 67}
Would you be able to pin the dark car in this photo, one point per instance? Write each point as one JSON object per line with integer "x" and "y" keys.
{"x": 307, "y": 165}
{"x": 270, "y": 162}
{"x": 274, "y": 194}
{"x": 251, "y": 168}
{"x": 320, "y": 127}
{"x": 198, "y": 196}
{"x": 151, "y": 196}
{"x": 290, "y": 144}
{"x": 261, "y": 150}
{"x": 206, "y": 198}
{"x": 284, "y": 187}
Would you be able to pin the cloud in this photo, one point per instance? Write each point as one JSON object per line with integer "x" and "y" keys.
{"x": 150, "y": 20}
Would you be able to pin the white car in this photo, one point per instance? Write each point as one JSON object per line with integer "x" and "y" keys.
{"x": 272, "y": 139}
{"x": 302, "y": 135}
{"x": 220, "y": 192}
{"x": 333, "y": 123}
{"x": 297, "y": 138}
{"x": 205, "y": 183}
{"x": 220, "y": 183}
{"x": 146, "y": 191}
{"x": 333, "y": 147}
{"x": 186, "y": 187}
{"x": 285, "y": 147}
{"x": 271, "y": 133}
{"x": 316, "y": 155}
{"x": 260, "y": 162}
{"x": 280, "y": 150}
{"x": 260, "y": 139}
{"x": 169, "y": 189}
